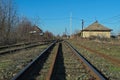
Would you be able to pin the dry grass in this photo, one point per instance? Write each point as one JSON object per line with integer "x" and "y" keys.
{"x": 11, "y": 64}
{"x": 111, "y": 47}
{"x": 108, "y": 69}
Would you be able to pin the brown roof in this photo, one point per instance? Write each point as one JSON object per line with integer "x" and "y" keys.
{"x": 96, "y": 27}
{"x": 36, "y": 28}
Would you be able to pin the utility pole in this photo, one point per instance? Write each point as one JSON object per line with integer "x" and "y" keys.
{"x": 66, "y": 35}
{"x": 82, "y": 27}
{"x": 65, "y": 31}
{"x": 70, "y": 24}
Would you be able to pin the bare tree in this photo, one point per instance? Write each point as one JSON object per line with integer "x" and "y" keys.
{"x": 13, "y": 31}
{"x": 48, "y": 35}
{"x": 23, "y": 29}
{"x": 2, "y": 21}
{"x": 8, "y": 18}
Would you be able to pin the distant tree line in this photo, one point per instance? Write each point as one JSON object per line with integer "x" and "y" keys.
{"x": 14, "y": 29}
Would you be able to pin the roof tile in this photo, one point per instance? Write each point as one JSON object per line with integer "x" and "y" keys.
{"x": 96, "y": 27}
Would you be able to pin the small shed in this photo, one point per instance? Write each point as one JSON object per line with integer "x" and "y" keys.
{"x": 118, "y": 36}
{"x": 96, "y": 30}
{"x": 36, "y": 30}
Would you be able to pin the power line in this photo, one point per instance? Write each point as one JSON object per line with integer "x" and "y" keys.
{"x": 112, "y": 20}
{"x": 57, "y": 18}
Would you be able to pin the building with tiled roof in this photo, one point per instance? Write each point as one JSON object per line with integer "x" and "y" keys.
{"x": 96, "y": 30}
{"x": 36, "y": 30}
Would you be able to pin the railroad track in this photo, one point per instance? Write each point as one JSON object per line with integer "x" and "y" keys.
{"x": 60, "y": 61}
{"x": 15, "y": 45}
{"x": 23, "y": 44}
{"x": 13, "y": 48}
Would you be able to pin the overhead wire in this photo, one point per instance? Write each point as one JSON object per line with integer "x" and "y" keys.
{"x": 115, "y": 20}
{"x": 112, "y": 20}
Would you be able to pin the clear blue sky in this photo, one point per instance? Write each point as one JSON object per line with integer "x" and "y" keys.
{"x": 54, "y": 15}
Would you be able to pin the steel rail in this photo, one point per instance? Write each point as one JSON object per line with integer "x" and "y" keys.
{"x": 15, "y": 45}
{"x": 52, "y": 64}
{"x": 21, "y": 74}
{"x": 18, "y": 49}
{"x": 20, "y": 44}
{"x": 92, "y": 68}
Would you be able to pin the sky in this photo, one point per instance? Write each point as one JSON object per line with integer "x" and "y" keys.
{"x": 56, "y": 16}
